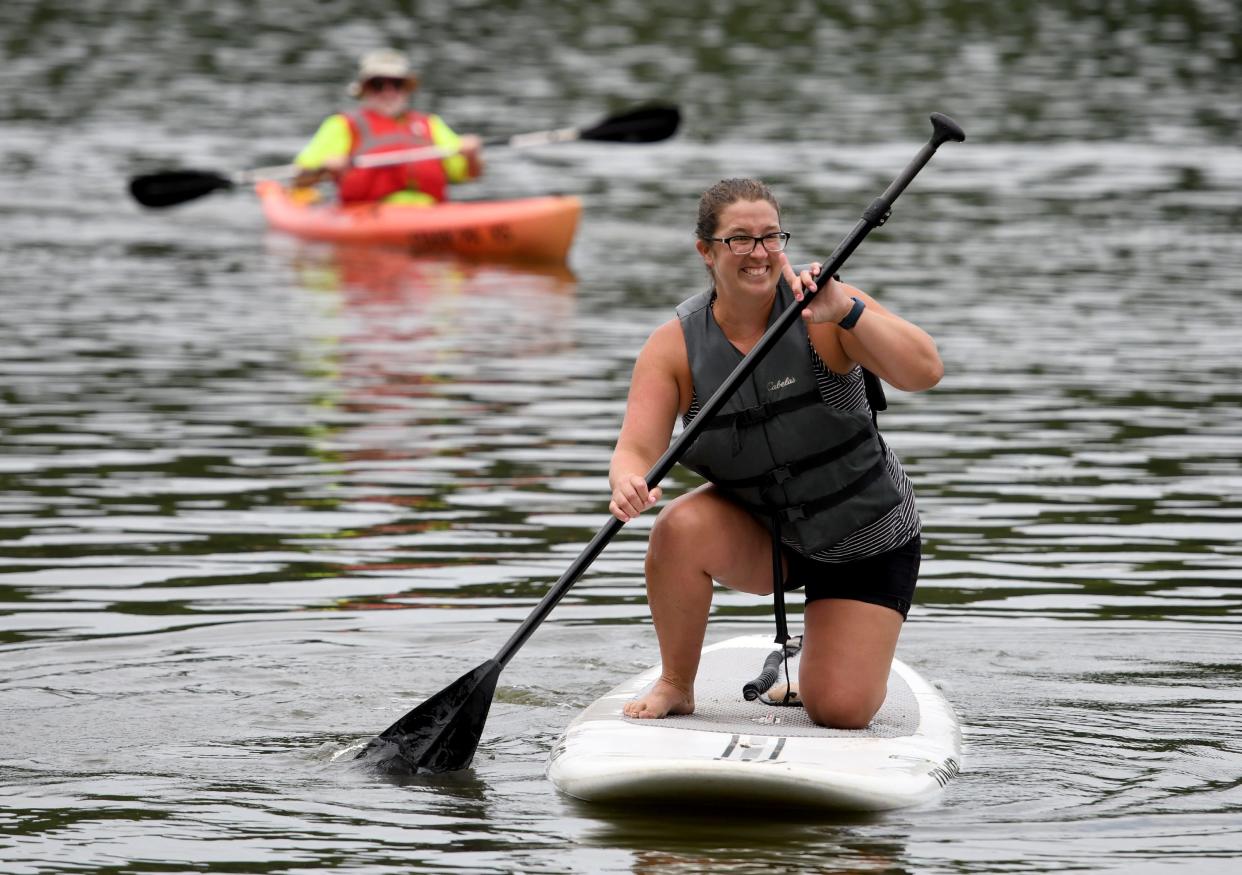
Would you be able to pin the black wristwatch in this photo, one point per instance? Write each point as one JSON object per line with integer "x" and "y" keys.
{"x": 851, "y": 318}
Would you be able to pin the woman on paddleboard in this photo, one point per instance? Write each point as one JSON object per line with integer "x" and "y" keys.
{"x": 792, "y": 459}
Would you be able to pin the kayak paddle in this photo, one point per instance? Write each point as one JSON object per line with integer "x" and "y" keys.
{"x": 648, "y": 124}
{"x": 443, "y": 732}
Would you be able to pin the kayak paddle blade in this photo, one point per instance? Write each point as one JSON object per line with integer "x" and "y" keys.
{"x": 442, "y": 733}
{"x": 647, "y": 124}
{"x": 174, "y": 187}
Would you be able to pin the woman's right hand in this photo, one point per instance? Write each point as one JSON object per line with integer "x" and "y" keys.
{"x": 630, "y": 497}
{"x": 330, "y": 169}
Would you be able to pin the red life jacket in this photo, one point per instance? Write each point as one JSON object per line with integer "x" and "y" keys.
{"x": 372, "y": 133}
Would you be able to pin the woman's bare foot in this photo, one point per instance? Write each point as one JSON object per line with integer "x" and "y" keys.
{"x": 662, "y": 699}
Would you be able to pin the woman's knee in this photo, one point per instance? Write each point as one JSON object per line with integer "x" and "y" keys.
{"x": 842, "y": 708}
{"x": 681, "y": 525}
{"x": 700, "y": 532}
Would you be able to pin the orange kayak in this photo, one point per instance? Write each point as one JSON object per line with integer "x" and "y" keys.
{"x": 528, "y": 229}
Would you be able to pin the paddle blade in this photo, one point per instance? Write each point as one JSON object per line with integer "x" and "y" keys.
{"x": 441, "y": 734}
{"x": 175, "y": 187}
{"x": 647, "y": 124}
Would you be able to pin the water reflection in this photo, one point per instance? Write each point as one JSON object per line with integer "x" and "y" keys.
{"x": 424, "y": 375}
{"x": 740, "y": 840}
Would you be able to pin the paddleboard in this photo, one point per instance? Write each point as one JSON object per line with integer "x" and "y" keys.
{"x": 733, "y": 752}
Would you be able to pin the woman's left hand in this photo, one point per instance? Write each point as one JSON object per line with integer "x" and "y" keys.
{"x": 831, "y": 304}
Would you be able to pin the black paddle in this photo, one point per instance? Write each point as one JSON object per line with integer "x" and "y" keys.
{"x": 442, "y": 733}
{"x": 648, "y": 124}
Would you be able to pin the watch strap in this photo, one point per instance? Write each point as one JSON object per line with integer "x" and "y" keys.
{"x": 851, "y": 318}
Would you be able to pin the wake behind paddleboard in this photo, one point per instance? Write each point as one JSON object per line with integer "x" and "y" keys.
{"x": 733, "y": 752}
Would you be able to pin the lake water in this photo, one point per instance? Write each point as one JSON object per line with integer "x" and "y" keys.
{"x": 258, "y": 498}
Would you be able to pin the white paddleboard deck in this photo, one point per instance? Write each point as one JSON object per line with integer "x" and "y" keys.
{"x": 734, "y": 752}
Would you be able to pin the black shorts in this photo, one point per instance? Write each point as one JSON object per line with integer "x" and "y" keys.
{"x": 887, "y": 579}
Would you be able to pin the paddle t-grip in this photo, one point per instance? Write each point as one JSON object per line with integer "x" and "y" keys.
{"x": 945, "y": 129}
{"x": 877, "y": 212}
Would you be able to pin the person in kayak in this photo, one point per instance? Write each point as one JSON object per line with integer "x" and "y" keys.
{"x": 384, "y": 122}
{"x": 793, "y": 458}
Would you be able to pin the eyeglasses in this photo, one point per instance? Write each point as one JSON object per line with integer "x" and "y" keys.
{"x": 744, "y": 244}
{"x": 379, "y": 83}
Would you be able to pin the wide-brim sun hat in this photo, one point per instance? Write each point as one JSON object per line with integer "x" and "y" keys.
{"x": 382, "y": 64}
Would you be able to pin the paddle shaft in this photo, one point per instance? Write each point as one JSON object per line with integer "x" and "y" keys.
{"x": 430, "y": 153}
{"x": 280, "y": 172}
{"x": 403, "y": 156}
{"x": 175, "y": 187}
{"x": 645, "y": 124}
{"x": 875, "y": 215}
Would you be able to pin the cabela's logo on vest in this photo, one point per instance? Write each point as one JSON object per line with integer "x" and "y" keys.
{"x": 781, "y": 384}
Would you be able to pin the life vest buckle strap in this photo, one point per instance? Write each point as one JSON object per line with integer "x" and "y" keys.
{"x": 763, "y": 411}
{"x": 793, "y": 513}
{"x": 780, "y": 475}
{"x": 760, "y": 413}
{"x": 848, "y": 491}
{"x": 735, "y": 438}
{"x": 754, "y": 415}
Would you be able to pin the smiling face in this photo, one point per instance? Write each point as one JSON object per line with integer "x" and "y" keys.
{"x": 387, "y": 95}
{"x": 753, "y": 274}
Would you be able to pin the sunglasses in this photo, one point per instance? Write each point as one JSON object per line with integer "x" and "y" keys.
{"x": 379, "y": 83}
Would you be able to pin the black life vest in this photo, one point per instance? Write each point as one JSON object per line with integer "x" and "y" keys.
{"x": 818, "y": 473}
